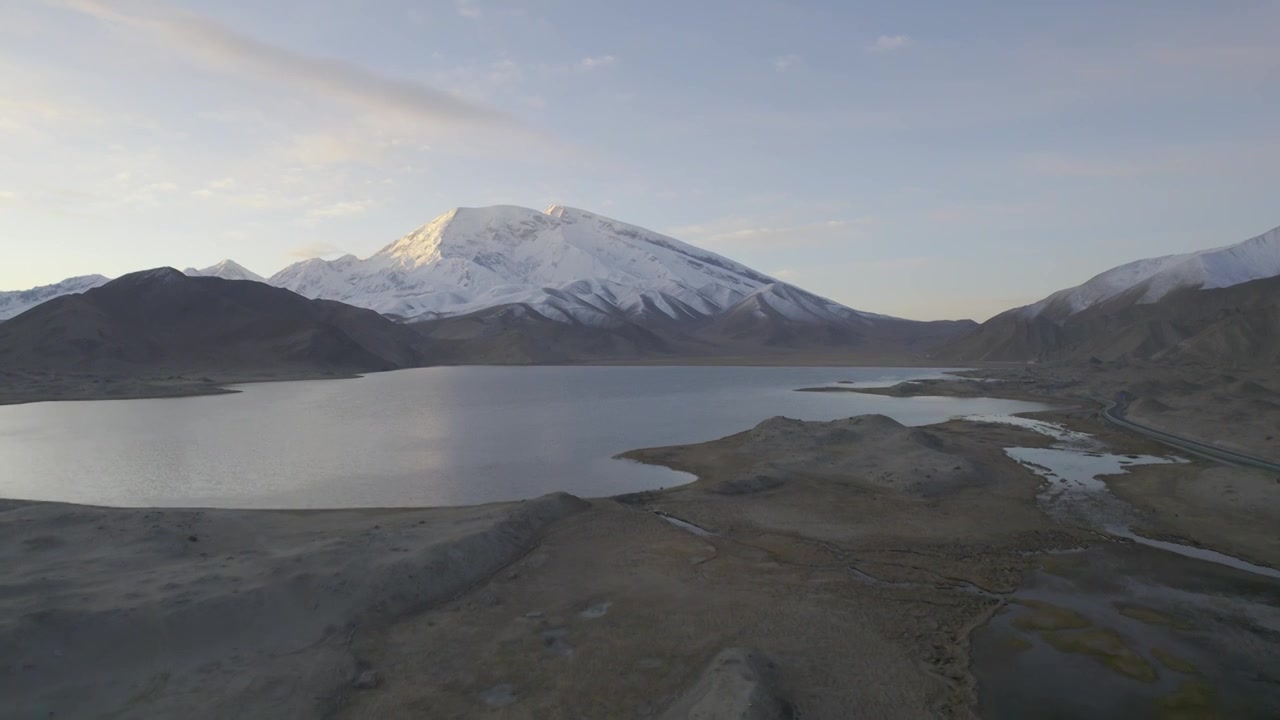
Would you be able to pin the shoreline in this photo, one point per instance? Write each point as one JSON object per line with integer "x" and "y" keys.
{"x": 854, "y": 564}
{"x": 16, "y": 385}
{"x": 75, "y": 387}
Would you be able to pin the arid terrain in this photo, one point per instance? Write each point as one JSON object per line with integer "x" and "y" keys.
{"x": 826, "y": 570}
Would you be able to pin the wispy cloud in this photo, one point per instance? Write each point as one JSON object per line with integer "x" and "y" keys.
{"x": 227, "y": 50}
{"x": 215, "y": 187}
{"x": 149, "y": 194}
{"x": 346, "y": 208}
{"x": 889, "y": 43}
{"x": 468, "y": 9}
{"x": 596, "y": 62}
{"x": 745, "y": 232}
{"x": 783, "y": 63}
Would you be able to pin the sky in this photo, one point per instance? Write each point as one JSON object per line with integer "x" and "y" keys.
{"x": 921, "y": 159}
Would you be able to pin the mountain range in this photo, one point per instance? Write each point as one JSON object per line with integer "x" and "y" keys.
{"x": 512, "y": 284}
{"x": 506, "y": 284}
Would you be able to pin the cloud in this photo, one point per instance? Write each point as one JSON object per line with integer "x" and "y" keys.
{"x": 7, "y": 197}
{"x": 745, "y": 232}
{"x": 889, "y": 43}
{"x": 148, "y": 194}
{"x": 225, "y": 49}
{"x": 468, "y": 9}
{"x": 346, "y": 208}
{"x": 597, "y": 62}
{"x": 316, "y": 249}
{"x": 783, "y": 63}
{"x": 215, "y": 187}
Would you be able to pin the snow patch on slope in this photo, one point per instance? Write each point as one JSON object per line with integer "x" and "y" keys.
{"x": 1155, "y": 278}
{"x": 800, "y": 306}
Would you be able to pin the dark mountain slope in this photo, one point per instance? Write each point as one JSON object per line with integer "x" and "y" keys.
{"x": 1236, "y": 325}
{"x": 518, "y": 335}
{"x": 164, "y": 321}
{"x": 754, "y": 327}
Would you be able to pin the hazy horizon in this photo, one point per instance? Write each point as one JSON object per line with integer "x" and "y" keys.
{"x": 901, "y": 158}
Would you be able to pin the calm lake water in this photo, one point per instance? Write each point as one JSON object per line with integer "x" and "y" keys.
{"x": 432, "y": 436}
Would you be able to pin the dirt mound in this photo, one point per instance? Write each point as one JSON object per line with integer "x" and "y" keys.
{"x": 747, "y": 485}
{"x": 872, "y": 450}
{"x": 1148, "y": 406}
{"x": 737, "y": 685}
{"x": 1245, "y": 388}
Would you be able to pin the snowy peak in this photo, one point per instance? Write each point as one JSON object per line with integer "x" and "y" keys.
{"x": 1151, "y": 279}
{"x": 564, "y": 263}
{"x": 19, "y": 301}
{"x": 227, "y": 270}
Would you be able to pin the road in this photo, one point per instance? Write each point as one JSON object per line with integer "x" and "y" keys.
{"x": 1113, "y": 412}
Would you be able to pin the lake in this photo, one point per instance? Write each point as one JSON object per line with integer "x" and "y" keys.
{"x": 424, "y": 437}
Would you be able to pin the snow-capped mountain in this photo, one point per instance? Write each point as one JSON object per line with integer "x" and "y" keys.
{"x": 19, "y": 301}
{"x": 1151, "y": 279}
{"x": 1215, "y": 300}
{"x": 227, "y": 270}
{"x": 565, "y": 264}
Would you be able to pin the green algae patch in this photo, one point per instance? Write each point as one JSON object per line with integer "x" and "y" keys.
{"x": 1106, "y": 646}
{"x": 1017, "y": 644}
{"x": 1047, "y": 616}
{"x": 1173, "y": 662}
{"x": 1193, "y": 700}
{"x": 1149, "y": 616}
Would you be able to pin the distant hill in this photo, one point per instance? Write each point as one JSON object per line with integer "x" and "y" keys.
{"x": 1237, "y": 325}
{"x": 164, "y": 321}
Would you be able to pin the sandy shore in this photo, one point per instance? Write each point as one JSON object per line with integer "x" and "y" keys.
{"x": 824, "y": 570}
{"x": 27, "y": 386}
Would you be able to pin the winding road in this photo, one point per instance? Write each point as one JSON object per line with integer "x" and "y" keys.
{"x": 1113, "y": 412}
